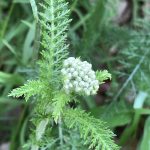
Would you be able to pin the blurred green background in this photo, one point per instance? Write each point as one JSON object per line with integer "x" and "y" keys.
{"x": 112, "y": 35}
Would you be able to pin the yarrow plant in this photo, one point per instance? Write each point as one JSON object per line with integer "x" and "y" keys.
{"x": 79, "y": 77}
{"x": 59, "y": 80}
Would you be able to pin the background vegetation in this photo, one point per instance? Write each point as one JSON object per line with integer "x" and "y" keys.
{"x": 110, "y": 38}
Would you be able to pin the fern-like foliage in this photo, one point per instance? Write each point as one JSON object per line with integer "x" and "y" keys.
{"x": 102, "y": 76}
{"x": 54, "y": 21}
{"x": 51, "y": 101}
{"x": 136, "y": 62}
{"x": 59, "y": 102}
{"x": 31, "y": 88}
{"x": 99, "y": 136}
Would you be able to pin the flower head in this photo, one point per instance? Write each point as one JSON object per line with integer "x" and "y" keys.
{"x": 79, "y": 77}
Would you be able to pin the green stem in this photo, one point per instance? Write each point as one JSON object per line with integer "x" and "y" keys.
{"x": 7, "y": 20}
{"x": 130, "y": 130}
{"x": 60, "y": 131}
{"x": 73, "y": 5}
{"x": 52, "y": 32}
{"x": 135, "y": 10}
{"x": 36, "y": 46}
{"x": 15, "y": 136}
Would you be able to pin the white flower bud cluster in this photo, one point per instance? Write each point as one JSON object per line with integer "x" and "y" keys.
{"x": 79, "y": 77}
